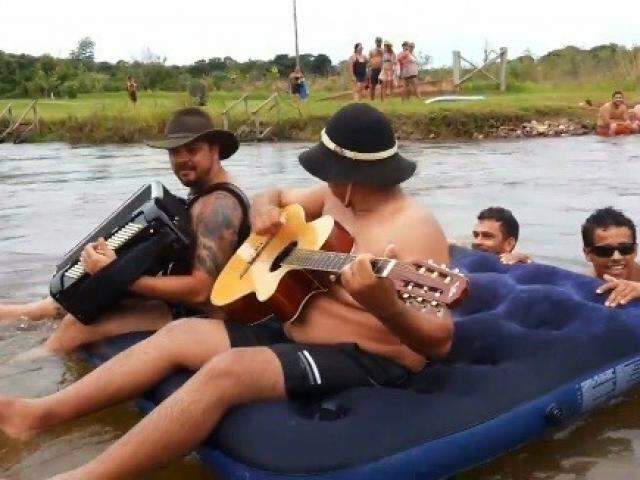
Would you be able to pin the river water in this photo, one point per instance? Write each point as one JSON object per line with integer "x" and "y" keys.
{"x": 51, "y": 195}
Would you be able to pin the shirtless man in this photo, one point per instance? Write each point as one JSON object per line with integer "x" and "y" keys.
{"x": 375, "y": 67}
{"x": 358, "y": 158}
{"x": 497, "y": 232}
{"x": 610, "y": 245}
{"x": 634, "y": 117}
{"x": 132, "y": 90}
{"x": 613, "y": 114}
{"x": 195, "y": 149}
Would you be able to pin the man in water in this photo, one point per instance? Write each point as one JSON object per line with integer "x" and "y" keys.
{"x": 613, "y": 115}
{"x": 497, "y": 232}
{"x": 358, "y": 333}
{"x": 610, "y": 245}
{"x": 375, "y": 67}
{"x": 195, "y": 149}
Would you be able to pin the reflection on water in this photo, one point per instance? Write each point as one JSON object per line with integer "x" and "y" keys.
{"x": 51, "y": 195}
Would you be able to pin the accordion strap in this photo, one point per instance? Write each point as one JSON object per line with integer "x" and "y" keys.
{"x": 243, "y": 201}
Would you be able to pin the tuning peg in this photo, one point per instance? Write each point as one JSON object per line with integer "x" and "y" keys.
{"x": 410, "y": 286}
{"x": 405, "y": 295}
{"x": 430, "y": 261}
{"x": 434, "y": 275}
{"x": 422, "y": 270}
{"x": 444, "y": 265}
{"x": 433, "y": 303}
{"x": 438, "y": 294}
{"x": 447, "y": 280}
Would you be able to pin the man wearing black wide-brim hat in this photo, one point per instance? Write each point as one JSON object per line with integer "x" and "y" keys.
{"x": 219, "y": 220}
{"x": 358, "y": 333}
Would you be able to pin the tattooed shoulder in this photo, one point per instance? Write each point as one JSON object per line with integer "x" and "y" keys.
{"x": 216, "y": 221}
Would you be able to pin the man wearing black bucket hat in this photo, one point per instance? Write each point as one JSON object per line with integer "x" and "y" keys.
{"x": 219, "y": 221}
{"x": 356, "y": 334}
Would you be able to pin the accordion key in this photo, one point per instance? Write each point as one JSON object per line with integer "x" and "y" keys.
{"x": 148, "y": 233}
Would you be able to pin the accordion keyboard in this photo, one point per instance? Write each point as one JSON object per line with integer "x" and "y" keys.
{"x": 118, "y": 239}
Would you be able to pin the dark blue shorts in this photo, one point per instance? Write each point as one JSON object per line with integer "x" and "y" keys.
{"x": 313, "y": 370}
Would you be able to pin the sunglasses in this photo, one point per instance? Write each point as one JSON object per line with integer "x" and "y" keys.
{"x": 607, "y": 251}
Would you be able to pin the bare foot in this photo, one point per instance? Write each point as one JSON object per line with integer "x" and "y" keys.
{"x": 18, "y": 418}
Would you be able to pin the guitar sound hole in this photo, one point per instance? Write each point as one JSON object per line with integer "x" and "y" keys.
{"x": 277, "y": 262}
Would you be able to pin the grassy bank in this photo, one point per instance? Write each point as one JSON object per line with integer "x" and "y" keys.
{"x": 109, "y": 118}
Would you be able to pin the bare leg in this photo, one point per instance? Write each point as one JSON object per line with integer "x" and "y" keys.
{"x": 186, "y": 418}
{"x": 187, "y": 343}
{"x": 130, "y": 316}
{"x": 47, "y": 308}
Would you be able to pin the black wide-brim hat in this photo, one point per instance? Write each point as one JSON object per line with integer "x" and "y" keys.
{"x": 358, "y": 146}
{"x": 191, "y": 124}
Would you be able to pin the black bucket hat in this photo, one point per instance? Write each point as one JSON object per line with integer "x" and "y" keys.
{"x": 190, "y": 124}
{"x": 358, "y": 146}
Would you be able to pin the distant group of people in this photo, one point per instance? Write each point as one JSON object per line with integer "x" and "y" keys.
{"x": 609, "y": 245}
{"x": 383, "y": 67}
{"x": 615, "y": 118}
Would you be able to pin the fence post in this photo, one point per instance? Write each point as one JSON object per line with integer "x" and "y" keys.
{"x": 456, "y": 68}
{"x": 503, "y": 69}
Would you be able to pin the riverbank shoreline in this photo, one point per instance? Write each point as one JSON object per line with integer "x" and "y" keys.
{"x": 103, "y": 128}
{"x": 109, "y": 118}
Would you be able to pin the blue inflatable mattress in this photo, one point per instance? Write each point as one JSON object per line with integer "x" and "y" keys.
{"x": 534, "y": 348}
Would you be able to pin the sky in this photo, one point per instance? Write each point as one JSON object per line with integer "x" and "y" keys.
{"x": 190, "y": 30}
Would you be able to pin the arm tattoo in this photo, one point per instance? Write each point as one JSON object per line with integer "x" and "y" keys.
{"x": 217, "y": 220}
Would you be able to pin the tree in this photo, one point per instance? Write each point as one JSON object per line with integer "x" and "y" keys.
{"x": 84, "y": 53}
{"x": 321, "y": 64}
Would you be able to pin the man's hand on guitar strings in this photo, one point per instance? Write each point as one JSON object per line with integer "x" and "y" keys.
{"x": 96, "y": 256}
{"x": 377, "y": 295}
{"x": 265, "y": 219}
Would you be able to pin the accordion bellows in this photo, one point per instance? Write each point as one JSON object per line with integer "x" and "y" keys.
{"x": 148, "y": 233}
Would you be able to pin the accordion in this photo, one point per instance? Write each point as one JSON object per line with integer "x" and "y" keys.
{"x": 149, "y": 232}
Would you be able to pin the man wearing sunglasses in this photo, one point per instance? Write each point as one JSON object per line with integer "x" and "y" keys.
{"x": 609, "y": 239}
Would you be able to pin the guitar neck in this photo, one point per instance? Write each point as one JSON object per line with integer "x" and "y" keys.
{"x": 332, "y": 262}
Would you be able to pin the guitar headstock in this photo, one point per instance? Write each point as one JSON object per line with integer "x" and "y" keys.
{"x": 423, "y": 284}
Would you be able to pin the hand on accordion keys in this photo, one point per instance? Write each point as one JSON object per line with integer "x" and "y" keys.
{"x": 96, "y": 256}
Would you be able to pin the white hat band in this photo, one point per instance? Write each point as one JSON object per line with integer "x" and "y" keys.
{"x": 327, "y": 142}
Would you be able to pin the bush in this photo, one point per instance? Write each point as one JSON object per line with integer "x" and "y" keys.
{"x": 69, "y": 89}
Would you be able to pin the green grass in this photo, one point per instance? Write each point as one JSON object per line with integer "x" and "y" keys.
{"x": 109, "y": 117}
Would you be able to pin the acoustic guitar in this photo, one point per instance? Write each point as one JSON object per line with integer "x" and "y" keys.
{"x": 279, "y": 274}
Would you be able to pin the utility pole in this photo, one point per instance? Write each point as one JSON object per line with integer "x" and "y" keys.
{"x": 295, "y": 28}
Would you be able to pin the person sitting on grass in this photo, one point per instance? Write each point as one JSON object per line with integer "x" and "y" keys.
{"x": 610, "y": 245}
{"x": 356, "y": 334}
{"x": 497, "y": 232}
{"x": 613, "y": 116}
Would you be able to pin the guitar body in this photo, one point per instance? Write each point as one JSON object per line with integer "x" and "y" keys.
{"x": 254, "y": 284}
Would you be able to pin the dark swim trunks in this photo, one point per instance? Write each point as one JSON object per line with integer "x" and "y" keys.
{"x": 311, "y": 370}
{"x": 375, "y": 75}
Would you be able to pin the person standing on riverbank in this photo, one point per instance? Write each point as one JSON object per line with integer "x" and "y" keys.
{"x": 296, "y": 83}
{"x": 219, "y": 224}
{"x": 408, "y": 66}
{"x": 358, "y": 68}
{"x": 132, "y": 90}
{"x": 375, "y": 67}
{"x": 613, "y": 116}
{"x": 388, "y": 74}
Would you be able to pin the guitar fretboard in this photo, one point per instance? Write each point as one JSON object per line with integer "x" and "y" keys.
{"x": 329, "y": 261}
